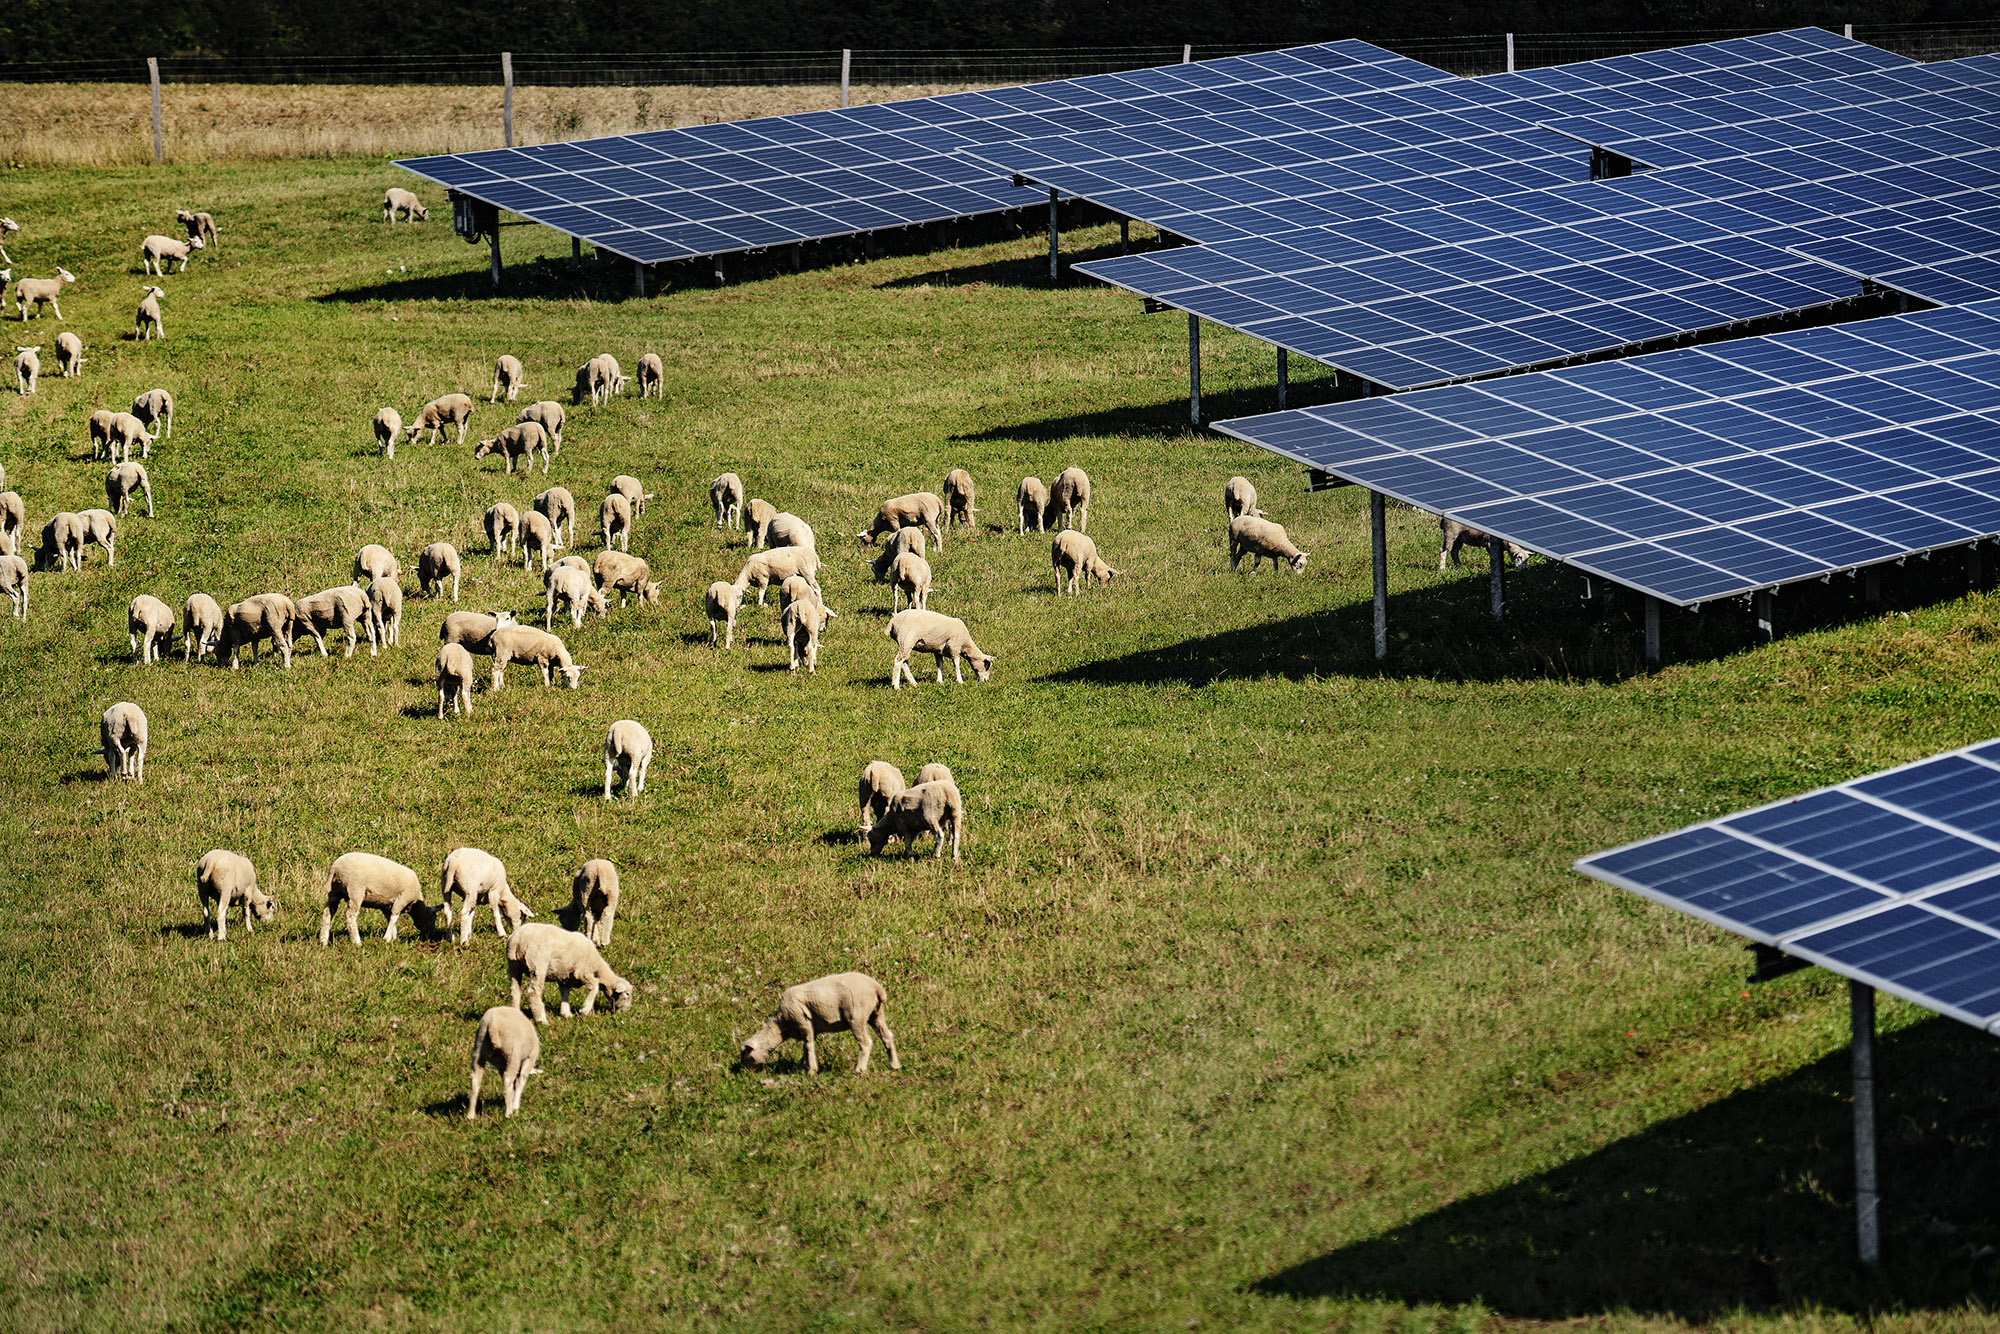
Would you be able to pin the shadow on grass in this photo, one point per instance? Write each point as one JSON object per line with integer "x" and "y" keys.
{"x": 1168, "y": 419}
{"x": 837, "y": 838}
{"x": 454, "y": 1106}
{"x": 1744, "y": 1205}
{"x": 188, "y": 930}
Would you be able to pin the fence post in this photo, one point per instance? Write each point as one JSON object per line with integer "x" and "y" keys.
{"x": 1850, "y": 32}
{"x": 1510, "y": 53}
{"x": 159, "y": 145}
{"x": 507, "y": 97}
{"x": 846, "y": 68}
{"x": 1187, "y": 54}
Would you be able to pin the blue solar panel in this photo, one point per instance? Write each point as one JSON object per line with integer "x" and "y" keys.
{"x": 1950, "y": 260}
{"x": 1892, "y": 879}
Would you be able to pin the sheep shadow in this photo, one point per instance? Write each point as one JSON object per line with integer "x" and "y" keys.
{"x": 840, "y": 838}
{"x": 188, "y": 930}
{"x": 453, "y": 1106}
{"x": 91, "y": 775}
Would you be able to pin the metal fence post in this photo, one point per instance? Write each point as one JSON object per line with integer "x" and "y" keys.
{"x": 1055, "y": 254}
{"x": 159, "y": 144}
{"x": 1850, "y": 32}
{"x": 507, "y": 97}
{"x": 1194, "y": 370}
{"x": 1378, "y": 552}
{"x": 846, "y": 68}
{"x": 1187, "y": 54}
{"x": 1510, "y": 53}
{"x": 1867, "y": 1223}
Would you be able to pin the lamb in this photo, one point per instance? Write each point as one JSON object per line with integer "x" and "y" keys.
{"x": 924, "y": 809}
{"x": 396, "y": 199}
{"x": 477, "y": 877}
{"x": 1240, "y": 498}
{"x": 958, "y": 497}
{"x": 880, "y": 781}
{"x": 757, "y": 518}
{"x": 155, "y": 407}
{"x": 223, "y": 877}
{"x": 360, "y": 880}
{"x": 503, "y": 526}
{"x": 919, "y": 509}
{"x": 627, "y": 574}
{"x": 909, "y": 540}
{"x": 123, "y": 733}
{"x": 852, "y": 1001}
{"x": 1033, "y": 502}
{"x": 434, "y": 416}
{"x": 1075, "y": 556}
{"x": 508, "y": 377}
{"x": 539, "y": 950}
{"x": 157, "y": 252}
{"x": 14, "y": 583}
{"x": 455, "y": 675}
{"x": 385, "y": 613}
{"x": 935, "y": 773}
{"x": 726, "y": 494}
{"x": 37, "y": 291}
{"x": 375, "y": 561}
{"x": 765, "y": 568}
{"x": 518, "y": 443}
{"x": 796, "y": 587}
{"x": 200, "y": 227}
{"x": 614, "y": 521}
{"x": 560, "y": 506}
{"x": 509, "y": 1043}
{"x": 13, "y": 514}
{"x": 100, "y": 434}
{"x": 62, "y": 543}
{"x": 724, "y": 601}
{"x": 928, "y": 632}
{"x": 547, "y": 414}
{"x": 1454, "y": 535}
{"x": 598, "y": 379}
{"x": 635, "y": 493}
{"x": 101, "y": 527}
{"x": 911, "y": 575}
{"x": 7, "y": 225}
{"x": 524, "y": 643}
{"x": 388, "y": 428}
{"x": 122, "y": 481}
{"x": 571, "y": 585}
{"x": 201, "y": 626}
{"x": 265, "y": 616}
{"x": 434, "y": 563}
{"x": 1070, "y": 497}
{"x": 652, "y": 376}
{"x": 569, "y": 562}
{"x": 473, "y": 629}
{"x": 1259, "y": 538}
{"x": 594, "y": 899}
{"x": 147, "y": 323}
{"x": 27, "y": 368}
{"x": 149, "y": 625}
{"x": 125, "y": 431}
{"x": 789, "y": 530}
{"x": 628, "y": 749}
{"x": 538, "y": 537}
{"x": 802, "y": 620}
{"x": 344, "y": 607}
{"x": 69, "y": 355}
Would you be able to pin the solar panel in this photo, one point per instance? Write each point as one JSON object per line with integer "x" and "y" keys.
{"x": 1892, "y": 879}
{"x": 1950, "y": 260}
{"x": 1699, "y": 473}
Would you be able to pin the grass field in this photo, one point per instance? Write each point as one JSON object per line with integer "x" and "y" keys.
{"x": 1263, "y": 999}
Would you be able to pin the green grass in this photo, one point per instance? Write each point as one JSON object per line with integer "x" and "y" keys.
{"x": 1264, "y": 998}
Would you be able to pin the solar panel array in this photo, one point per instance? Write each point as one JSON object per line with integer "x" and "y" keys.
{"x": 1945, "y": 260}
{"x": 1700, "y": 473}
{"x": 1892, "y": 880}
{"x": 747, "y": 185}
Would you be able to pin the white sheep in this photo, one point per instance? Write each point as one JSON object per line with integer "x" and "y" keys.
{"x": 69, "y": 355}
{"x": 100, "y": 433}
{"x": 157, "y": 252}
{"x": 802, "y": 620}
{"x": 594, "y": 899}
{"x": 388, "y": 429}
{"x": 958, "y": 497}
{"x": 909, "y": 540}
{"x": 13, "y": 512}
{"x": 344, "y": 608}
{"x": 1032, "y": 500}
{"x": 149, "y": 625}
{"x": 757, "y": 516}
{"x": 7, "y": 225}
{"x": 373, "y": 562}
{"x": 265, "y": 616}
{"x": 538, "y": 951}
{"x": 614, "y": 520}
{"x": 652, "y": 374}
{"x": 1239, "y": 498}
{"x": 726, "y": 494}
{"x": 723, "y": 602}
{"x": 503, "y": 527}
{"x": 478, "y": 877}
{"x": 101, "y": 527}
{"x": 448, "y": 410}
{"x": 155, "y": 407}
{"x": 569, "y": 562}
{"x": 571, "y": 585}
{"x": 385, "y": 613}
{"x": 517, "y": 444}
{"x": 62, "y": 542}
{"x": 455, "y": 676}
{"x": 1075, "y": 556}
{"x": 124, "y": 431}
{"x": 1453, "y": 535}
{"x": 473, "y": 629}
{"x": 926, "y": 808}
{"x": 1070, "y": 497}
{"x": 122, "y": 731}
{"x": 928, "y": 632}
{"x": 14, "y": 583}
{"x": 120, "y": 484}
{"x": 764, "y": 568}
{"x": 935, "y": 773}
{"x": 538, "y": 538}
{"x": 1260, "y": 538}
{"x": 796, "y": 587}
{"x": 509, "y": 378}
{"x": 201, "y": 626}
{"x": 854, "y": 1002}
{"x": 880, "y": 781}
{"x": 396, "y": 199}
{"x": 146, "y": 321}
{"x": 789, "y": 530}
{"x": 598, "y": 379}
{"x": 200, "y": 227}
{"x": 628, "y": 750}
{"x": 27, "y": 368}
{"x": 524, "y": 643}
{"x": 911, "y": 575}
{"x": 550, "y": 416}
{"x": 635, "y": 493}
{"x": 509, "y": 1042}
{"x": 627, "y": 574}
{"x": 919, "y": 509}
{"x": 222, "y": 878}
{"x": 436, "y": 562}
{"x": 560, "y": 507}
{"x": 36, "y": 292}
{"x": 360, "y": 880}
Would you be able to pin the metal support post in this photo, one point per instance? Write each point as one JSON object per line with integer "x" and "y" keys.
{"x": 1378, "y": 547}
{"x": 638, "y": 278}
{"x": 159, "y": 143}
{"x": 718, "y": 270}
{"x": 493, "y": 243}
{"x": 1871, "y": 585}
{"x": 575, "y": 253}
{"x": 1187, "y": 55}
{"x": 1284, "y": 375}
{"x": 1510, "y": 53}
{"x": 1974, "y": 573}
{"x": 507, "y": 95}
{"x": 1763, "y": 603}
{"x": 1496, "y": 556}
{"x": 1194, "y": 370}
{"x": 1850, "y": 32}
{"x": 846, "y": 68}
{"x": 1055, "y": 254}
{"x": 797, "y": 248}
{"x": 1124, "y": 236}
{"x": 1867, "y": 1223}
{"x": 1652, "y": 629}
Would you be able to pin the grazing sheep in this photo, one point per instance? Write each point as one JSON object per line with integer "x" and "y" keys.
{"x": 924, "y": 809}
{"x": 508, "y": 378}
{"x": 1033, "y": 502}
{"x": 518, "y": 443}
{"x": 635, "y": 493}
{"x": 908, "y": 541}
{"x": 201, "y": 626}
{"x": 796, "y": 587}
{"x": 14, "y": 583}
{"x": 146, "y": 322}
{"x": 598, "y": 379}
{"x": 594, "y": 899}
{"x": 434, "y": 563}
{"x": 360, "y": 880}
{"x": 149, "y": 625}
{"x": 880, "y": 781}
{"x": 560, "y": 506}
{"x": 627, "y": 574}
{"x": 396, "y": 199}
{"x": 1070, "y": 497}
{"x": 434, "y": 416}
{"x": 101, "y": 527}
{"x": 37, "y": 291}
{"x": 478, "y": 877}
{"x": 13, "y": 513}
{"x": 851, "y": 1001}
{"x": 385, "y": 613}
{"x": 100, "y": 433}
{"x": 344, "y": 608}
{"x": 538, "y": 537}
{"x": 614, "y": 521}
{"x": 628, "y": 749}
{"x": 935, "y": 773}
{"x": 157, "y": 252}
{"x": 455, "y": 675}
{"x": 550, "y": 416}
{"x": 155, "y": 407}
{"x": 221, "y": 878}
{"x": 1259, "y": 538}
{"x": 125, "y": 431}
{"x": 571, "y": 585}
{"x": 1075, "y": 557}
{"x": 27, "y": 368}
{"x": 803, "y": 620}
{"x": 509, "y": 1042}
{"x": 473, "y": 629}
{"x": 757, "y": 516}
{"x": 69, "y": 355}
{"x": 123, "y": 733}
{"x": 652, "y": 376}
{"x": 503, "y": 526}
{"x": 7, "y": 225}
{"x": 388, "y": 429}
{"x": 724, "y": 601}
{"x": 789, "y": 530}
{"x": 958, "y": 498}
{"x": 265, "y": 616}
{"x": 569, "y": 562}
{"x": 765, "y": 568}
{"x": 1454, "y": 535}
{"x": 524, "y": 643}
{"x": 375, "y": 561}
{"x": 726, "y": 494}
{"x": 539, "y": 951}
{"x": 911, "y": 575}
{"x": 919, "y": 509}
{"x": 1240, "y": 498}
{"x": 200, "y": 227}
{"x": 122, "y": 481}
{"x": 62, "y": 543}
{"x": 928, "y": 632}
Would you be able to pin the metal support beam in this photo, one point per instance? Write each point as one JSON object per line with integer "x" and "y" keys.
{"x": 493, "y": 244}
{"x": 1496, "y": 555}
{"x": 796, "y": 248}
{"x": 1194, "y": 370}
{"x": 638, "y": 278}
{"x": 1652, "y": 630}
{"x": 159, "y": 142}
{"x": 1187, "y": 55}
{"x": 1867, "y": 1222}
{"x": 1510, "y": 53}
{"x": 846, "y": 68}
{"x": 1871, "y": 585}
{"x": 1974, "y": 571}
{"x": 1764, "y": 605}
{"x": 718, "y": 270}
{"x": 1284, "y": 375}
{"x": 1378, "y": 547}
{"x": 1124, "y": 236}
{"x": 575, "y": 253}
{"x": 507, "y": 96}
{"x": 1055, "y": 253}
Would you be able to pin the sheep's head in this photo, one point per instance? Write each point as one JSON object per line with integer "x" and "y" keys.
{"x": 64, "y": 275}
{"x": 425, "y": 917}
{"x": 9, "y": 225}
{"x": 196, "y": 243}
{"x": 572, "y": 674}
{"x": 649, "y": 590}
{"x": 1520, "y": 555}
{"x": 155, "y": 292}
{"x": 1101, "y": 572}
{"x": 757, "y": 1048}
{"x": 621, "y": 996}
{"x": 501, "y": 618}
{"x": 1299, "y": 562}
{"x": 182, "y": 215}
{"x": 262, "y": 904}
{"x": 982, "y": 665}
{"x": 479, "y": 451}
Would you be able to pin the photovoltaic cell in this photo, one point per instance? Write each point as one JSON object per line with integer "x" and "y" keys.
{"x": 1949, "y": 260}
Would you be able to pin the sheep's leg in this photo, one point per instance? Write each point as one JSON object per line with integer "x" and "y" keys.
{"x": 857, "y": 1026}
{"x": 812, "y": 1050}
{"x": 880, "y": 1021}
{"x": 562, "y": 988}
{"x": 541, "y": 1011}
{"x": 493, "y": 899}
{"x": 517, "y": 1081}
{"x": 958, "y": 666}
{"x": 936, "y": 831}
{"x": 514, "y": 977}
{"x": 940, "y": 669}
{"x": 644, "y": 760}
{"x": 478, "y": 1072}
{"x": 354, "y": 918}
{"x": 590, "y": 997}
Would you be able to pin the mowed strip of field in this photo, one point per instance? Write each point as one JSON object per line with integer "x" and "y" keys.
{"x": 1263, "y": 999}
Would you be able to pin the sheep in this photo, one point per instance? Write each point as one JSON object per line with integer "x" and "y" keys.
{"x": 1070, "y": 497}
{"x": 594, "y": 899}
{"x": 222, "y": 877}
{"x": 360, "y": 880}
{"x": 455, "y": 675}
{"x": 614, "y": 521}
{"x": 569, "y": 562}
{"x": 156, "y": 252}
{"x": 958, "y": 498}
{"x": 911, "y": 575}
{"x": 652, "y": 374}
{"x": 396, "y": 199}
{"x": 62, "y": 543}
{"x": 146, "y": 322}
{"x": 802, "y": 621}
{"x": 69, "y": 355}
{"x": 928, "y": 632}
{"x": 935, "y": 773}
{"x": 13, "y": 513}
{"x": 201, "y": 626}
{"x": 100, "y": 433}
{"x": 795, "y": 587}
{"x": 726, "y": 494}
{"x": 101, "y": 527}
{"x": 1033, "y": 502}
{"x": 538, "y": 537}
{"x": 518, "y": 443}
{"x": 539, "y": 950}
{"x": 880, "y": 781}
{"x": 124, "y": 431}
{"x": 27, "y": 368}
{"x": 1240, "y": 498}
{"x": 503, "y": 526}
{"x": 757, "y": 516}
{"x": 628, "y": 749}
{"x": 627, "y": 574}
{"x": 265, "y": 616}
{"x": 1259, "y": 538}
{"x": 434, "y": 563}
{"x": 635, "y": 493}
{"x": 200, "y": 227}
{"x": 122, "y": 481}
{"x": 924, "y": 809}
{"x": 155, "y": 407}
{"x": 388, "y": 428}
{"x": 560, "y": 506}
{"x": 473, "y": 629}
{"x": 434, "y": 416}
{"x": 7, "y": 225}
{"x": 14, "y": 583}
{"x": 385, "y": 613}
{"x": 598, "y": 379}
{"x": 909, "y": 540}
{"x": 344, "y": 607}
{"x": 572, "y": 586}
{"x": 1453, "y": 535}
{"x": 375, "y": 561}
{"x": 723, "y": 601}
{"x": 37, "y": 291}
{"x": 149, "y": 625}
{"x": 765, "y": 568}
{"x": 508, "y": 377}
{"x": 509, "y": 1043}
{"x": 852, "y": 1001}
{"x": 524, "y": 643}
{"x": 1075, "y": 556}
{"x": 919, "y": 509}
{"x": 789, "y": 530}
{"x": 478, "y": 877}
{"x": 122, "y": 730}
{"x": 549, "y": 415}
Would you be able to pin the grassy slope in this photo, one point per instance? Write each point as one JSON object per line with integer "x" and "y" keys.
{"x": 1260, "y": 953}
